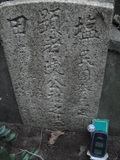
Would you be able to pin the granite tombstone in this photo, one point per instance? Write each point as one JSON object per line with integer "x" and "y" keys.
{"x": 56, "y": 53}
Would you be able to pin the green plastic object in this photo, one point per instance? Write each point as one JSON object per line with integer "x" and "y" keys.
{"x": 101, "y": 125}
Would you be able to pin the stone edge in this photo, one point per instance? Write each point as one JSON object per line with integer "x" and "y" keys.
{"x": 82, "y": 2}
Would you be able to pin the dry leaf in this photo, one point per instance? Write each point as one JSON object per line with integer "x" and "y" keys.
{"x": 54, "y": 136}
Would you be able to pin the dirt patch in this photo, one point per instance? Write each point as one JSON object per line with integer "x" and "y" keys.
{"x": 69, "y": 146}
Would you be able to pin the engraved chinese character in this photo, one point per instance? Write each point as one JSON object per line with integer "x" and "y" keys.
{"x": 18, "y": 24}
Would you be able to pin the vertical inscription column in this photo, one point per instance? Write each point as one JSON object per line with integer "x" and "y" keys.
{"x": 19, "y": 69}
{"x": 85, "y": 30}
{"x": 54, "y": 75}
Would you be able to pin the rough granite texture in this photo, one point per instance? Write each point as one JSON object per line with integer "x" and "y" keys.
{"x": 102, "y": 1}
{"x": 8, "y": 106}
{"x": 56, "y": 54}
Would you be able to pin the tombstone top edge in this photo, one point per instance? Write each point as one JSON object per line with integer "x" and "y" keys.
{"x": 79, "y": 2}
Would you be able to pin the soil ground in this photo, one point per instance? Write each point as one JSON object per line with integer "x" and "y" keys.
{"x": 70, "y": 146}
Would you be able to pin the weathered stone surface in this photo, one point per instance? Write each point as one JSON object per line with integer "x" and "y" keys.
{"x": 56, "y": 54}
{"x": 103, "y": 1}
{"x": 8, "y": 105}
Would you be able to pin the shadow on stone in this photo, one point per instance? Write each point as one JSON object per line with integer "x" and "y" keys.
{"x": 110, "y": 98}
{"x": 8, "y": 105}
